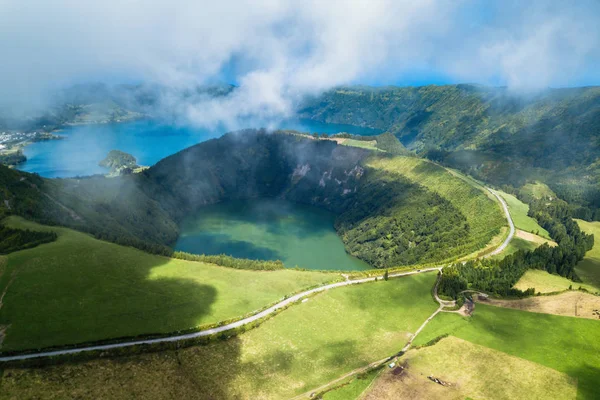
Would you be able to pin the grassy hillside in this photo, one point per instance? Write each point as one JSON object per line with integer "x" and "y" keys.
{"x": 354, "y": 388}
{"x": 518, "y": 211}
{"x": 483, "y": 214}
{"x": 589, "y": 268}
{"x": 485, "y": 131}
{"x": 544, "y": 282}
{"x": 473, "y": 371}
{"x": 566, "y": 344}
{"x": 294, "y": 352}
{"x": 81, "y": 289}
{"x": 515, "y": 245}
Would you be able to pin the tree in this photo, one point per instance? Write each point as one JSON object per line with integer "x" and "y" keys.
{"x": 386, "y": 275}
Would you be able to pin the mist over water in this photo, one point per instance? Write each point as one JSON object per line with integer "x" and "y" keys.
{"x": 268, "y": 229}
{"x": 79, "y": 153}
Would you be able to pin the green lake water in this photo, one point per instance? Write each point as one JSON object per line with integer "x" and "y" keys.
{"x": 268, "y": 229}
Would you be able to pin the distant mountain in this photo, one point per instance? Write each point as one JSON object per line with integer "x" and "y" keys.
{"x": 494, "y": 134}
{"x": 96, "y": 103}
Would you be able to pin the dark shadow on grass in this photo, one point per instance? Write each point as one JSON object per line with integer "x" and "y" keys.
{"x": 82, "y": 291}
{"x": 587, "y": 377}
{"x": 200, "y": 372}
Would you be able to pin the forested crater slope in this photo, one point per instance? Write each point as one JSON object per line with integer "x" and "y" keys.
{"x": 390, "y": 210}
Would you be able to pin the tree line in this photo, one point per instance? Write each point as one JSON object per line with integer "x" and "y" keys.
{"x": 499, "y": 276}
{"x": 231, "y": 262}
{"x": 18, "y": 239}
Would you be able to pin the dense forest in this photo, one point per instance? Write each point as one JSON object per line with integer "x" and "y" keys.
{"x": 490, "y": 133}
{"x": 393, "y": 222}
{"x": 499, "y": 276}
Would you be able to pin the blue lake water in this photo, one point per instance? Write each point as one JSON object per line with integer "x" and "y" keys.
{"x": 268, "y": 229}
{"x": 147, "y": 140}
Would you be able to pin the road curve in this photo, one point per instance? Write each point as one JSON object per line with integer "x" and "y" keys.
{"x": 213, "y": 331}
{"x": 511, "y": 225}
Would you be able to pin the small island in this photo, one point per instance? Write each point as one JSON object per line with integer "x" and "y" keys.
{"x": 120, "y": 163}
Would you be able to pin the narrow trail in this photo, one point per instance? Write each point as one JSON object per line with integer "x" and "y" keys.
{"x": 442, "y": 304}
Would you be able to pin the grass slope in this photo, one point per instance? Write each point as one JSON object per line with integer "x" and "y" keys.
{"x": 568, "y": 345}
{"x": 515, "y": 245}
{"x": 363, "y": 144}
{"x": 300, "y": 349}
{"x": 81, "y": 289}
{"x": 474, "y": 372}
{"x": 354, "y": 389}
{"x": 537, "y": 190}
{"x": 518, "y": 211}
{"x": 588, "y": 269}
{"x": 483, "y": 214}
{"x": 544, "y": 282}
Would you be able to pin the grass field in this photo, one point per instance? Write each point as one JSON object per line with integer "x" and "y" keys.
{"x": 589, "y": 268}
{"x": 484, "y": 215}
{"x": 296, "y": 351}
{"x": 538, "y": 190}
{"x": 518, "y": 211}
{"x": 515, "y": 245}
{"x": 472, "y": 371}
{"x": 81, "y": 289}
{"x": 354, "y": 389}
{"x": 566, "y": 344}
{"x": 364, "y": 144}
{"x": 544, "y": 282}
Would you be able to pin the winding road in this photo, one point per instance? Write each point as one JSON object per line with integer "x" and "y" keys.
{"x": 274, "y": 308}
{"x": 511, "y": 225}
{"x": 219, "y": 329}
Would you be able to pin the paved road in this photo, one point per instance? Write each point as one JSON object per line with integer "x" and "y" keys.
{"x": 511, "y": 225}
{"x": 219, "y": 329}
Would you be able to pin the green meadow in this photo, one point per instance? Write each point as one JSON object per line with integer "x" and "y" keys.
{"x": 544, "y": 282}
{"x": 566, "y": 344}
{"x": 588, "y": 269}
{"x": 355, "y": 388}
{"x": 515, "y": 245}
{"x": 80, "y": 289}
{"x": 518, "y": 211}
{"x": 304, "y": 347}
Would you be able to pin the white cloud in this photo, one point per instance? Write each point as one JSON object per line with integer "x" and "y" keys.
{"x": 285, "y": 49}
